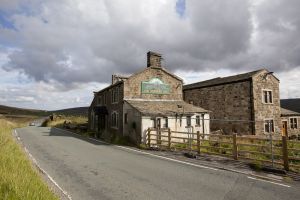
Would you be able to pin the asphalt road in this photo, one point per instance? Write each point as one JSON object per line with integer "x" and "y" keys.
{"x": 87, "y": 169}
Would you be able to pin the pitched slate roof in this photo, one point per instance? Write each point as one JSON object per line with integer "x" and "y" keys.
{"x": 286, "y": 112}
{"x": 291, "y": 104}
{"x": 164, "y": 108}
{"x": 223, "y": 80}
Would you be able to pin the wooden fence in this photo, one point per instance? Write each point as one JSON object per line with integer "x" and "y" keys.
{"x": 278, "y": 152}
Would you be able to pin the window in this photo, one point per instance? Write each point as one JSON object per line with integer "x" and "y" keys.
{"x": 115, "y": 95}
{"x": 114, "y": 119}
{"x": 125, "y": 118}
{"x": 188, "y": 120}
{"x": 99, "y": 100}
{"x": 198, "y": 120}
{"x": 166, "y": 124}
{"x": 153, "y": 123}
{"x": 267, "y": 96}
{"x": 104, "y": 98}
{"x": 180, "y": 121}
{"x": 269, "y": 126}
{"x": 293, "y": 123}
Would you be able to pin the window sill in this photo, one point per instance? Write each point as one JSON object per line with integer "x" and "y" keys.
{"x": 268, "y": 103}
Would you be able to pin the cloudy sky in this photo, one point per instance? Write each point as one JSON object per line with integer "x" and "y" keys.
{"x": 55, "y": 53}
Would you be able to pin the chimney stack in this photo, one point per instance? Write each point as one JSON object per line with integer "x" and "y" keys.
{"x": 153, "y": 59}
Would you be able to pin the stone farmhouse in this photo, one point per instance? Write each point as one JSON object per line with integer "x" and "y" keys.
{"x": 247, "y": 104}
{"x": 290, "y": 123}
{"x": 290, "y": 116}
{"x": 152, "y": 97}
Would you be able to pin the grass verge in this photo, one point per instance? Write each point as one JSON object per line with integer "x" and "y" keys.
{"x": 18, "y": 179}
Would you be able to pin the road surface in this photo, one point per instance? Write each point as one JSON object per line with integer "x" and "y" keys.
{"x": 88, "y": 169}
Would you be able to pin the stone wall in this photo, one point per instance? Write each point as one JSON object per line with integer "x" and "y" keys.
{"x": 132, "y": 86}
{"x": 104, "y": 98}
{"x": 291, "y": 131}
{"x": 227, "y": 102}
{"x": 262, "y": 110}
{"x": 132, "y": 128}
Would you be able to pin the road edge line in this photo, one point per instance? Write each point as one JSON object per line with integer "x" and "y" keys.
{"x": 253, "y": 178}
{"x": 215, "y": 168}
{"x": 40, "y": 168}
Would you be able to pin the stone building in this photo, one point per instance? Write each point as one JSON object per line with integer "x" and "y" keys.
{"x": 247, "y": 104}
{"x": 149, "y": 98}
{"x": 290, "y": 123}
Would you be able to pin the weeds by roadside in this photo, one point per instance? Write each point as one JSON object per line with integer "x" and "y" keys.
{"x": 18, "y": 179}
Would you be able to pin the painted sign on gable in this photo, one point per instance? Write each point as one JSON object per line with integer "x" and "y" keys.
{"x": 155, "y": 86}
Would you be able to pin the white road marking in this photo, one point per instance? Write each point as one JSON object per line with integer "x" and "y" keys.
{"x": 43, "y": 171}
{"x": 250, "y": 176}
{"x": 268, "y": 181}
{"x": 170, "y": 159}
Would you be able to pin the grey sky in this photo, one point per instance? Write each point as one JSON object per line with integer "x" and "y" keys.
{"x": 72, "y": 45}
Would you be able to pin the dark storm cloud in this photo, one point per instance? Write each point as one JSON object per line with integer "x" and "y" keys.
{"x": 77, "y": 42}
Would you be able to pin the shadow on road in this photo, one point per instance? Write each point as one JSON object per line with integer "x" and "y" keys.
{"x": 62, "y": 133}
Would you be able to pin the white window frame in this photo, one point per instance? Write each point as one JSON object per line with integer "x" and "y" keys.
{"x": 293, "y": 123}
{"x": 268, "y": 96}
{"x": 272, "y": 131}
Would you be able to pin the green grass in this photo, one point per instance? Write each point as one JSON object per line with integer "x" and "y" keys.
{"x": 59, "y": 121}
{"x": 18, "y": 179}
{"x": 260, "y": 152}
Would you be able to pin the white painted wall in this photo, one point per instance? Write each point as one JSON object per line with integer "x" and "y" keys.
{"x": 174, "y": 125}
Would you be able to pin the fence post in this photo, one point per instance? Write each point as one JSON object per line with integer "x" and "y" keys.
{"x": 158, "y": 137}
{"x": 198, "y": 142}
{"x": 169, "y": 138}
{"x": 285, "y": 153}
{"x": 149, "y": 139}
{"x": 234, "y": 147}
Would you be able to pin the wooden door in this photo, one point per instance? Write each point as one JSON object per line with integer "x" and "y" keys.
{"x": 284, "y": 128}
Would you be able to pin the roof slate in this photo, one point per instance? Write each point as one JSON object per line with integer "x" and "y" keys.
{"x": 165, "y": 108}
{"x": 291, "y": 104}
{"x": 223, "y": 80}
{"x": 286, "y": 112}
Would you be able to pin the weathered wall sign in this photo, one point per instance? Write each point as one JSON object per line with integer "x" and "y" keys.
{"x": 155, "y": 86}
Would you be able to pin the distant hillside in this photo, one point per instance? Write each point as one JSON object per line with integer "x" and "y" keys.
{"x": 83, "y": 111}
{"x": 291, "y": 104}
{"x": 7, "y": 110}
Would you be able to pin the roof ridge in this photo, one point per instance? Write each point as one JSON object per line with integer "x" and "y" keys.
{"x": 226, "y": 79}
